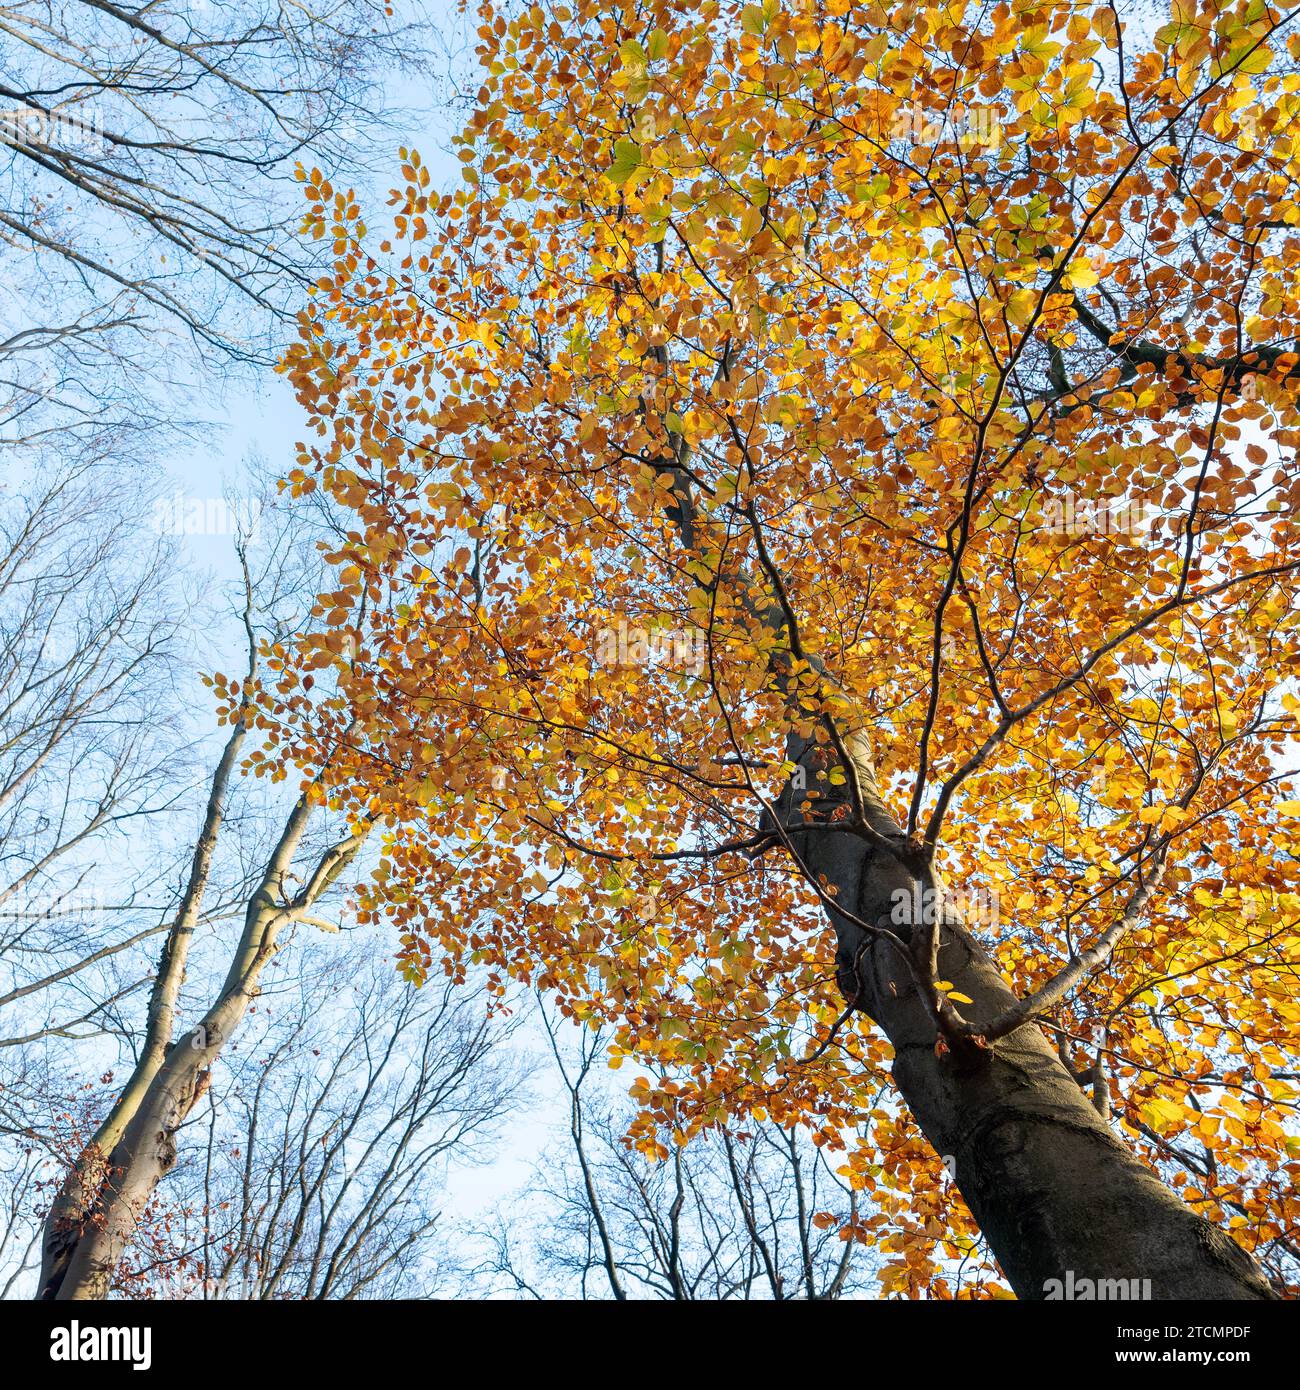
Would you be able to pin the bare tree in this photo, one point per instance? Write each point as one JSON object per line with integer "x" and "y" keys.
{"x": 756, "y": 1214}
{"x": 88, "y": 757}
{"x": 150, "y": 230}
{"x": 19, "y": 1236}
{"x": 318, "y": 1172}
{"x": 290, "y": 879}
{"x": 149, "y": 220}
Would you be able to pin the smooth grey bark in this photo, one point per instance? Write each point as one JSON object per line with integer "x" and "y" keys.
{"x": 78, "y": 1189}
{"x": 1052, "y": 1187}
{"x": 87, "y": 1252}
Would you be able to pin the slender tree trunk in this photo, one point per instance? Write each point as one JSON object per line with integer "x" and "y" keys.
{"x": 90, "y": 1250}
{"x": 1053, "y": 1189}
{"x": 78, "y": 1189}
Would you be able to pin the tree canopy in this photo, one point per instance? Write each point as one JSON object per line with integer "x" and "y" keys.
{"x": 832, "y": 422}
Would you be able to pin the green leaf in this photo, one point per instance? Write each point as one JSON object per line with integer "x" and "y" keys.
{"x": 627, "y": 160}
{"x": 1243, "y": 59}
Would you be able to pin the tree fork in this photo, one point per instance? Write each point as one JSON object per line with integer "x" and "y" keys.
{"x": 1052, "y": 1188}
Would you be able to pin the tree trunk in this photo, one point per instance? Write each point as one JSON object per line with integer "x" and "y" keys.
{"x": 1052, "y": 1188}
{"x": 88, "y": 1251}
{"x": 79, "y": 1187}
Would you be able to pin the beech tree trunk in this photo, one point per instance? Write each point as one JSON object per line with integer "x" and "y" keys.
{"x": 79, "y": 1187}
{"x": 1053, "y": 1189}
{"x": 95, "y": 1218}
